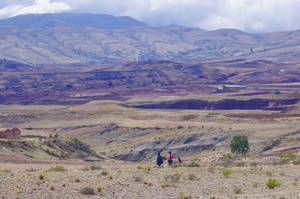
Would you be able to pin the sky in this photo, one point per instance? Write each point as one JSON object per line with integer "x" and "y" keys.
{"x": 246, "y": 15}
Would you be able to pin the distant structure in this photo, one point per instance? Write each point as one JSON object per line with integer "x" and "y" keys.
{"x": 10, "y": 133}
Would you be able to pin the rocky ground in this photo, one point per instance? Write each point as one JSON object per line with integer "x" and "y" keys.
{"x": 133, "y": 181}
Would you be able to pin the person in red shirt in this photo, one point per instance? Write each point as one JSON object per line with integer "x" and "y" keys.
{"x": 170, "y": 158}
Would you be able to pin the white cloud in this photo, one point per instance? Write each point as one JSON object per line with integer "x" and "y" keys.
{"x": 247, "y": 15}
{"x": 38, "y": 7}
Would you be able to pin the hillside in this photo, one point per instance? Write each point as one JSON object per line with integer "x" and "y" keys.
{"x": 84, "y": 38}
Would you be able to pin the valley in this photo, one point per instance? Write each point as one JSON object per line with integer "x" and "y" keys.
{"x": 86, "y": 107}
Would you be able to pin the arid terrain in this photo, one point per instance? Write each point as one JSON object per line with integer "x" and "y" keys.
{"x": 84, "y": 110}
{"x": 123, "y": 137}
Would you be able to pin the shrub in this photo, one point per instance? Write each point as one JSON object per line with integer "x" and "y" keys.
{"x": 237, "y": 191}
{"x": 77, "y": 179}
{"x": 100, "y": 188}
{"x": 272, "y": 183}
{"x": 110, "y": 176}
{"x": 64, "y": 184}
{"x": 146, "y": 168}
{"x": 37, "y": 183}
{"x": 239, "y": 144}
{"x": 87, "y": 191}
{"x": 57, "y": 168}
{"x": 183, "y": 196}
{"x": 42, "y": 176}
{"x": 227, "y": 172}
{"x": 277, "y": 92}
{"x": 289, "y": 156}
{"x": 51, "y": 187}
{"x": 228, "y": 156}
{"x": 5, "y": 171}
{"x": 255, "y": 184}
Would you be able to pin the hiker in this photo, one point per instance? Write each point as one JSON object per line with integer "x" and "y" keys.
{"x": 179, "y": 161}
{"x": 159, "y": 160}
{"x": 170, "y": 158}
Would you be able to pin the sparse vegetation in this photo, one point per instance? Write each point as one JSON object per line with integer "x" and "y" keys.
{"x": 183, "y": 196}
{"x": 5, "y": 171}
{"x": 100, "y": 188}
{"x": 228, "y": 156}
{"x": 76, "y": 179}
{"x": 57, "y": 168}
{"x": 145, "y": 168}
{"x": 272, "y": 183}
{"x": 42, "y": 176}
{"x": 239, "y": 144}
{"x": 227, "y": 172}
{"x": 289, "y": 156}
{"x": 237, "y": 191}
{"x": 51, "y": 187}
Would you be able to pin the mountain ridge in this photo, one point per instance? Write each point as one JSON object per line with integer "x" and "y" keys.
{"x": 103, "y": 21}
{"x": 84, "y": 44}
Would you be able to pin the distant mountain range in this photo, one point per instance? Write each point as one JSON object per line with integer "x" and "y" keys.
{"x": 70, "y": 20}
{"x": 91, "y": 38}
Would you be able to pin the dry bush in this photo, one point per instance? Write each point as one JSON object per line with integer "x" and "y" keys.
{"x": 42, "y": 176}
{"x": 77, "y": 179}
{"x": 51, "y": 187}
{"x": 100, "y": 188}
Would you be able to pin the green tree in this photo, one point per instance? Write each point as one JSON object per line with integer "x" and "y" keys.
{"x": 239, "y": 144}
